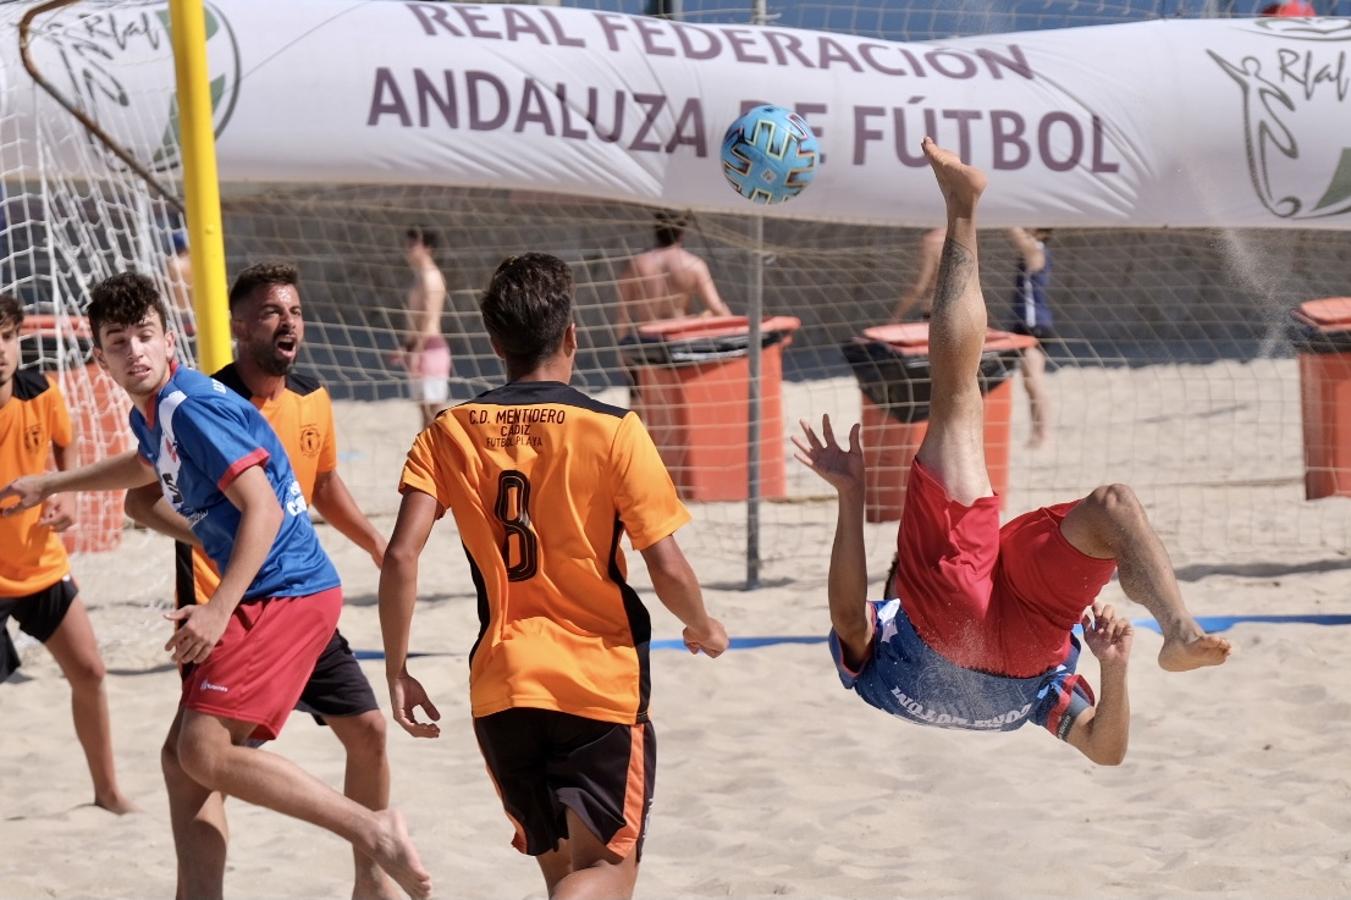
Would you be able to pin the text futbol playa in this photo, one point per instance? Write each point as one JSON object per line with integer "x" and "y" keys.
{"x": 1161, "y": 123}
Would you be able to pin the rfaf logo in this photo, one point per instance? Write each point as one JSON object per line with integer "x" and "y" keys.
{"x": 1295, "y": 87}
{"x": 114, "y": 60}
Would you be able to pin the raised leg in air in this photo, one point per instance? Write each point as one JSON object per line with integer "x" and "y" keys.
{"x": 953, "y": 449}
{"x": 1110, "y": 523}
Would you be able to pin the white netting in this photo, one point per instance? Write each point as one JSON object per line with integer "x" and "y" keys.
{"x": 1172, "y": 372}
{"x": 70, "y": 215}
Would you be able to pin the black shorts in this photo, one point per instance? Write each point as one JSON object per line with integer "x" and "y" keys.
{"x": 337, "y": 686}
{"x": 545, "y": 762}
{"x": 38, "y": 614}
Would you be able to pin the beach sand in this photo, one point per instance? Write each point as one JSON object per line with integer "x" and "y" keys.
{"x": 772, "y": 779}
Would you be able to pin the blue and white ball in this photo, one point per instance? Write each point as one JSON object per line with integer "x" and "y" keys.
{"x": 769, "y": 155}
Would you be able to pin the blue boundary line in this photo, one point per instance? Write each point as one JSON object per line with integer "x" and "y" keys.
{"x": 1212, "y": 624}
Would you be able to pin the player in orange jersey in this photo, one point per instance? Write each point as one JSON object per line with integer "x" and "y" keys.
{"x": 543, "y": 482}
{"x": 36, "y": 587}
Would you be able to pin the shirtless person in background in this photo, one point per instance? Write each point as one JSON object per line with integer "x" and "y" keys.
{"x": 425, "y": 351}
{"x": 658, "y": 283}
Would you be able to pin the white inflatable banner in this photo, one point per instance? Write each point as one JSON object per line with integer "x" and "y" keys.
{"x": 1160, "y": 123}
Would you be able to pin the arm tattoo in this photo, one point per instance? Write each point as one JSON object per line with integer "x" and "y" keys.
{"x": 954, "y": 270}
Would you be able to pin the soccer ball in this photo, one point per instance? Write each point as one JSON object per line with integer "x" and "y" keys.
{"x": 769, "y": 155}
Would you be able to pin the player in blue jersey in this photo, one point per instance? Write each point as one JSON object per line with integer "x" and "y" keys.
{"x": 253, "y": 646}
{"x": 980, "y": 637}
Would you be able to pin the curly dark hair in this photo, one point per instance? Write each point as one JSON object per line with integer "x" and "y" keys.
{"x": 265, "y": 274}
{"x": 528, "y": 307}
{"x": 123, "y": 299}
{"x": 11, "y": 311}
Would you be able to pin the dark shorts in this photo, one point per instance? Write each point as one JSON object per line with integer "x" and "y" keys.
{"x": 38, "y": 614}
{"x": 337, "y": 687}
{"x": 544, "y": 763}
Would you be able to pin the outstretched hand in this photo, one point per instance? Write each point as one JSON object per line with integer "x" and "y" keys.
{"x": 30, "y": 491}
{"x": 842, "y": 468}
{"x": 1107, "y": 635}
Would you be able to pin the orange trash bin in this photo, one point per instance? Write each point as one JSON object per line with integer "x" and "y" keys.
{"x": 98, "y": 414}
{"x": 1321, "y": 335}
{"x": 891, "y": 363}
{"x": 692, "y": 379}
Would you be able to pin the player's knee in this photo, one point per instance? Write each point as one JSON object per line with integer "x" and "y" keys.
{"x": 1115, "y": 501}
{"x": 198, "y": 758}
{"x": 168, "y": 761}
{"x": 86, "y": 673}
{"x": 364, "y": 735}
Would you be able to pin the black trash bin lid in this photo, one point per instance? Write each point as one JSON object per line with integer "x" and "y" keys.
{"x": 703, "y": 339}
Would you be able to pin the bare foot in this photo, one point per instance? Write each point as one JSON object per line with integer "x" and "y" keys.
{"x": 117, "y": 804}
{"x": 374, "y": 886}
{"x": 961, "y": 184}
{"x": 1193, "y": 650}
{"x": 395, "y": 853}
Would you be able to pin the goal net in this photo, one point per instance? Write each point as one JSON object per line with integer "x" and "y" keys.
{"x": 1171, "y": 370}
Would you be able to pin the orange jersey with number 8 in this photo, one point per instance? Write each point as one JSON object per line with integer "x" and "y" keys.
{"x": 543, "y": 481}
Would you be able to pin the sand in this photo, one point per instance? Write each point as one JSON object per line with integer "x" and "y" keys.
{"x": 772, "y": 779}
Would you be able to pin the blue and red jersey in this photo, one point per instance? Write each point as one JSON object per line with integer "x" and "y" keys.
{"x": 200, "y": 437}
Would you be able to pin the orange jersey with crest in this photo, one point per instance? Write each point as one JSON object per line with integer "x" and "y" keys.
{"x": 543, "y": 481}
{"x": 302, "y": 417}
{"x": 32, "y": 421}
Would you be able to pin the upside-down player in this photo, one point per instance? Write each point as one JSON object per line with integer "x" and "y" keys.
{"x": 980, "y": 637}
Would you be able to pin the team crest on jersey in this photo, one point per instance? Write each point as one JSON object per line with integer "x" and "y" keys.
{"x": 309, "y": 440}
{"x": 32, "y": 438}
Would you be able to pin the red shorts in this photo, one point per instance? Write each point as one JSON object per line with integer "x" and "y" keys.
{"x": 1001, "y": 600}
{"x": 260, "y": 666}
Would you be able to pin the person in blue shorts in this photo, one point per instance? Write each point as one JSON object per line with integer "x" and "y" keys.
{"x": 979, "y": 635}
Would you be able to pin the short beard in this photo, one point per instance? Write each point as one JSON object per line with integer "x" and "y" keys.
{"x": 267, "y": 360}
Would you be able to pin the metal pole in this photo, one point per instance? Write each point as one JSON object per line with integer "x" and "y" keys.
{"x": 201, "y": 184}
{"x": 755, "y": 313}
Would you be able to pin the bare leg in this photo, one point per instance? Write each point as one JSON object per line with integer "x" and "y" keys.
{"x": 366, "y": 782}
{"x": 197, "y": 817}
{"x": 555, "y": 866}
{"x": 954, "y": 446}
{"x": 1110, "y": 523}
{"x": 596, "y": 872}
{"x": 1034, "y": 380}
{"x": 209, "y": 751}
{"x": 77, "y": 653}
